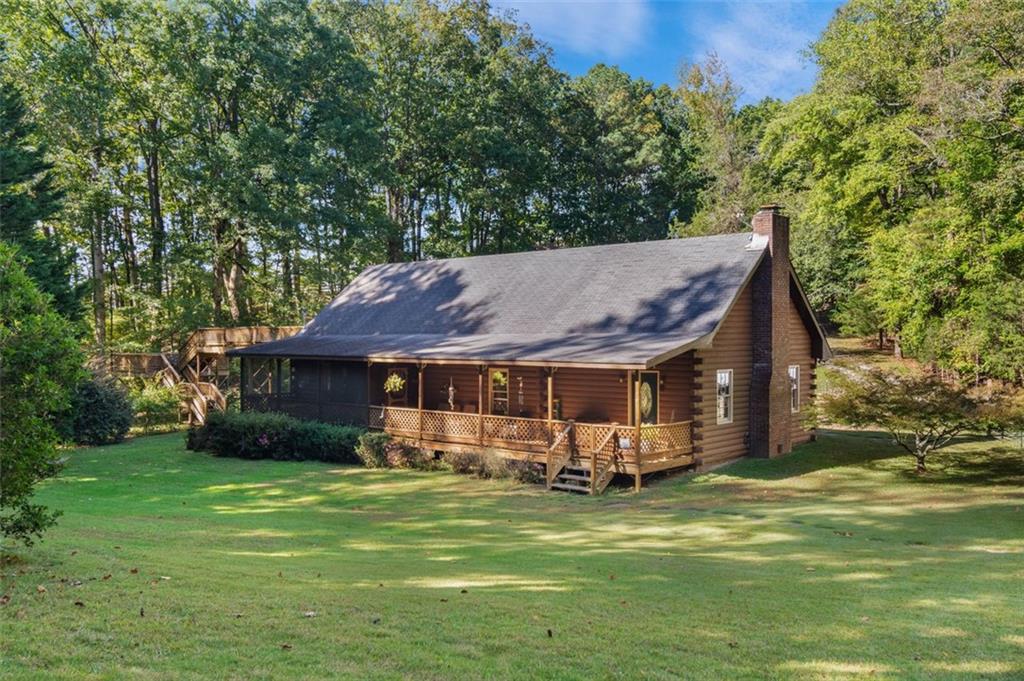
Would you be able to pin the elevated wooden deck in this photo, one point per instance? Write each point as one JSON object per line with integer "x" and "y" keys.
{"x": 200, "y": 370}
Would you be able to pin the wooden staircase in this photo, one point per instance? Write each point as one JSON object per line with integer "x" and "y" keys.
{"x": 570, "y": 471}
{"x": 198, "y": 397}
{"x": 199, "y": 371}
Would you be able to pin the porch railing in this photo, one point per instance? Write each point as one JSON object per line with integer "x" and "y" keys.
{"x": 665, "y": 440}
{"x": 600, "y": 441}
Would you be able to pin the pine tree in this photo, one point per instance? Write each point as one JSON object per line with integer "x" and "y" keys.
{"x": 27, "y": 198}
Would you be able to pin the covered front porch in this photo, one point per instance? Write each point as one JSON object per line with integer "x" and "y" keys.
{"x": 585, "y": 424}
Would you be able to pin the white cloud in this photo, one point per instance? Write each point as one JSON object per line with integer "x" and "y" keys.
{"x": 600, "y": 28}
{"x": 761, "y": 44}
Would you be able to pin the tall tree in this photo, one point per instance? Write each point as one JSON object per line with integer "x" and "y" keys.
{"x": 28, "y": 199}
{"x": 726, "y": 138}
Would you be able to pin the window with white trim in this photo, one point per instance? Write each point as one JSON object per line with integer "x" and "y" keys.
{"x": 794, "y": 388}
{"x": 724, "y": 384}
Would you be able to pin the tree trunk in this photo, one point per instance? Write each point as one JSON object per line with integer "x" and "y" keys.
{"x": 218, "y": 272}
{"x": 234, "y": 281}
{"x": 920, "y": 462}
{"x": 131, "y": 260}
{"x": 99, "y": 303}
{"x": 157, "y": 235}
{"x": 395, "y": 243}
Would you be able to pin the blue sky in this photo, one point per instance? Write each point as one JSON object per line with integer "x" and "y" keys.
{"x": 761, "y": 41}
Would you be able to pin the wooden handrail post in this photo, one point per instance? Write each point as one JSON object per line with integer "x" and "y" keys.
{"x": 593, "y": 465}
{"x": 419, "y": 401}
{"x": 369, "y": 398}
{"x": 551, "y": 404}
{"x": 637, "y": 481}
{"x": 480, "y": 405}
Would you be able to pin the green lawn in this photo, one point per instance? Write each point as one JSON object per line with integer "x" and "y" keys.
{"x": 830, "y": 563}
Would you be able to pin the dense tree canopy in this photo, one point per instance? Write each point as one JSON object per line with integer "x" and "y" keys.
{"x": 236, "y": 162}
{"x": 908, "y": 158}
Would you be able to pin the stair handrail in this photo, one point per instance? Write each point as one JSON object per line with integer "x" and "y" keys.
{"x": 169, "y": 366}
{"x": 597, "y": 450}
{"x": 601, "y": 476}
{"x": 554, "y": 466}
{"x": 212, "y": 392}
{"x": 195, "y": 400}
{"x": 190, "y": 344}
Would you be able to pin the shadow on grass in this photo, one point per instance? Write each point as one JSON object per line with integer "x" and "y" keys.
{"x": 998, "y": 465}
{"x": 831, "y": 449}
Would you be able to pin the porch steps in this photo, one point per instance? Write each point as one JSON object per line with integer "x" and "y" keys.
{"x": 574, "y": 478}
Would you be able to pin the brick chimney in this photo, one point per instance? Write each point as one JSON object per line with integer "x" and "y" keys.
{"x": 769, "y": 390}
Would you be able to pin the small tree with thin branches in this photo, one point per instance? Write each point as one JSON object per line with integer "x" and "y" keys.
{"x": 921, "y": 412}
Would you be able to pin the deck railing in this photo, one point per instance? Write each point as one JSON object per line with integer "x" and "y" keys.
{"x": 665, "y": 440}
{"x": 600, "y": 441}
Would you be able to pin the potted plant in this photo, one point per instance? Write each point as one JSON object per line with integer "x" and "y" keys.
{"x": 394, "y": 387}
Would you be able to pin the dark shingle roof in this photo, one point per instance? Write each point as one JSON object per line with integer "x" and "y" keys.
{"x": 628, "y": 304}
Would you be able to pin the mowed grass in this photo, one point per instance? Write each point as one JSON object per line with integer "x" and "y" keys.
{"x": 833, "y": 562}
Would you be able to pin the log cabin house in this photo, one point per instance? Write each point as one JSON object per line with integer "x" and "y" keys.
{"x": 626, "y": 358}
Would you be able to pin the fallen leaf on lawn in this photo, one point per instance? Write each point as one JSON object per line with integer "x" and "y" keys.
{"x": 865, "y": 618}
{"x": 164, "y": 578}
{"x": 238, "y": 615}
{"x": 80, "y": 604}
{"x": 117, "y": 547}
{"x": 444, "y": 600}
{"x": 842, "y": 533}
{"x": 550, "y": 633}
{"x": 611, "y": 576}
{"x": 810, "y": 569}
{"x": 734, "y": 644}
{"x": 41, "y": 589}
{"x": 74, "y": 552}
{"x": 5, "y": 599}
{"x": 309, "y": 613}
{"x": 142, "y": 612}
{"x": 376, "y": 620}
{"x": 134, "y": 571}
{"x": 286, "y": 646}
{"x": 279, "y": 574}
{"x": 76, "y": 582}
{"x": 106, "y": 577}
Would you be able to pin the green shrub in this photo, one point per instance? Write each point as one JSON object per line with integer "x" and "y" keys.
{"x": 490, "y": 464}
{"x": 40, "y": 363}
{"x": 526, "y": 472}
{"x": 257, "y": 435}
{"x": 156, "y": 406}
{"x": 100, "y": 413}
{"x": 372, "y": 449}
{"x": 379, "y": 450}
{"x": 494, "y": 466}
{"x": 402, "y": 455}
{"x": 463, "y": 463}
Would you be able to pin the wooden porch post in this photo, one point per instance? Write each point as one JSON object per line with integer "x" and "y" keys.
{"x": 480, "y": 404}
{"x": 419, "y": 400}
{"x": 551, "y": 404}
{"x": 636, "y": 421}
{"x": 369, "y": 364}
{"x": 629, "y": 397}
